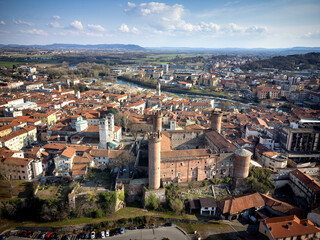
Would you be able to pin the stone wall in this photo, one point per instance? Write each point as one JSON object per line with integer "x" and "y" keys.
{"x": 159, "y": 193}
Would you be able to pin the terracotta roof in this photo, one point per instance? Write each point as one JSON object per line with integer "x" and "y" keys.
{"x": 287, "y": 226}
{"x": 69, "y": 152}
{"x": 79, "y": 169}
{"x": 239, "y": 204}
{"x": 283, "y": 207}
{"x": 220, "y": 142}
{"x": 186, "y": 153}
{"x": 308, "y": 181}
{"x": 18, "y": 161}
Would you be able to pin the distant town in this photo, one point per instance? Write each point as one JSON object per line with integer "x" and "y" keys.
{"x": 129, "y": 143}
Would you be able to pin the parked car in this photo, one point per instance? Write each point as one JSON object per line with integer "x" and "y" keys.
{"x": 92, "y": 235}
{"x": 167, "y": 224}
{"x": 87, "y": 236}
{"x": 48, "y": 235}
{"x": 81, "y": 236}
{"x": 66, "y": 237}
{"x": 121, "y": 230}
{"x": 101, "y": 234}
{"x": 53, "y": 236}
{"x": 26, "y": 233}
{"x": 132, "y": 228}
{"x": 42, "y": 235}
{"x": 107, "y": 233}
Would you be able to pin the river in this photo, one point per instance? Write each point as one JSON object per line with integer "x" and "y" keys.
{"x": 121, "y": 80}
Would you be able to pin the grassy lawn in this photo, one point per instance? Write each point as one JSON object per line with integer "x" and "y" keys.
{"x": 9, "y": 64}
{"x": 127, "y": 212}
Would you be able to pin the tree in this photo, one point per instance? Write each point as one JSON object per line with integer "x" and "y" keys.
{"x": 172, "y": 191}
{"x": 152, "y": 202}
{"x": 125, "y": 121}
{"x": 225, "y": 105}
{"x": 125, "y": 159}
{"x": 176, "y": 205}
{"x": 6, "y": 176}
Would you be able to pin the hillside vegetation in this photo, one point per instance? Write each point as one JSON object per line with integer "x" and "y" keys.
{"x": 290, "y": 62}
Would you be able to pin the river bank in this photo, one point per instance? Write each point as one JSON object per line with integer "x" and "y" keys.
{"x": 179, "y": 91}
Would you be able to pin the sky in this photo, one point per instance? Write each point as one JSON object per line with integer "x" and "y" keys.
{"x": 187, "y": 23}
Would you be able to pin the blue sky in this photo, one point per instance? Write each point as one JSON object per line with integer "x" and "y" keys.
{"x": 189, "y": 23}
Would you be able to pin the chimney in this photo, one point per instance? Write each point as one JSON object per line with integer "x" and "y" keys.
{"x": 59, "y": 88}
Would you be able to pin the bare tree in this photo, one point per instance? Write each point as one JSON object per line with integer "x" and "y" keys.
{"x": 126, "y": 121}
{"x": 6, "y": 176}
{"x": 124, "y": 159}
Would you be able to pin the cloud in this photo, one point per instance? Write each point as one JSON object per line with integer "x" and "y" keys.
{"x": 93, "y": 34}
{"x": 170, "y": 18}
{"x": 124, "y": 28}
{"x": 77, "y": 25}
{"x": 2, "y": 23}
{"x": 55, "y": 25}
{"x": 23, "y": 22}
{"x": 231, "y": 3}
{"x": 234, "y": 28}
{"x": 56, "y": 17}
{"x": 98, "y": 28}
{"x": 315, "y": 34}
{"x": 159, "y": 15}
{"x": 35, "y": 31}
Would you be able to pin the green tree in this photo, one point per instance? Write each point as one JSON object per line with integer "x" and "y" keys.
{"x": 176, "y": 206}
{"x": 152, "y": 202}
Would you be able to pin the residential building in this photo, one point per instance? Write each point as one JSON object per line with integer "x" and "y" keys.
{"x": 288, "y": 227}
{"x": 305, "y": 187}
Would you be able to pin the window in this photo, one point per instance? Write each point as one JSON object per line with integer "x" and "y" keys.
{"x": 181, "y": 164}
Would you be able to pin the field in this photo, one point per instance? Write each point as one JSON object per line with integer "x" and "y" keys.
{"x": 54, "y": 191}
{"x": 9, "y": 64}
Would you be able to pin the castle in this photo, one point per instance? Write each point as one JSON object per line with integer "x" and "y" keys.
{"x": 193, "y": 155}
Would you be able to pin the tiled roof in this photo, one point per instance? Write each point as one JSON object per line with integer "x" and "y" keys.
{"x": 219, "y": 141}
{"x": 69, "y": 152}
{"x": 287, "y": 226}
{"x": 18, "y": 161}
{"x": 239, "y": 204}
{"x": 308, "y": 181}
{"x": 207, "y": 202}
{"x": 283, "y": 207}
{"x": 186, "y": 153}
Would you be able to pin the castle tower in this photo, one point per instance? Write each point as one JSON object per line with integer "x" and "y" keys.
{"x": 216, "y": 121}
{"x": 157, "y": 122}
{"x": 103, "y": 133}
{"x": 154, "y": 148}
{"x": 158, "y": 89}
{"x": 241, "y": 163}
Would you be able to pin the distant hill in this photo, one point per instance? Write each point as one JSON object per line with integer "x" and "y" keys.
{"x": 61, "y": 46}
{"x": 241, "y": 51}
{"x": 290, "y": 62}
